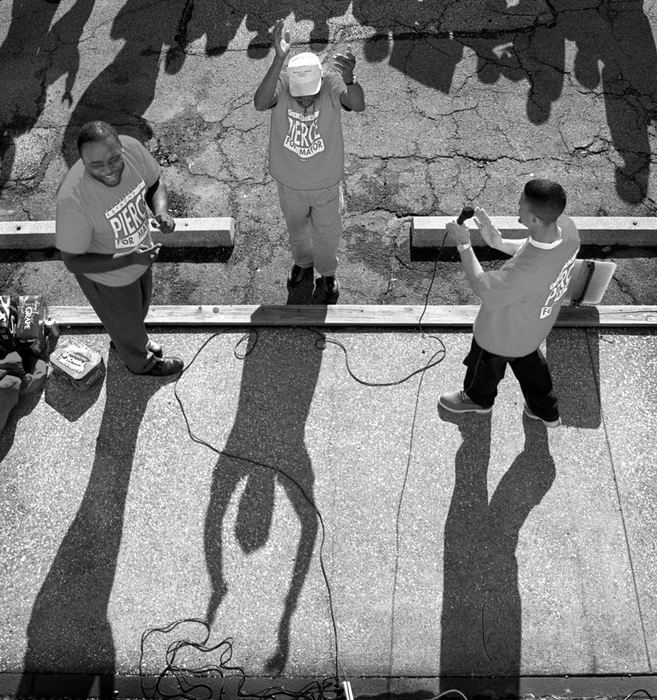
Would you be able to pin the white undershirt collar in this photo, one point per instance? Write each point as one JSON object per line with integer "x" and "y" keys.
{"x": 547, "y": 246}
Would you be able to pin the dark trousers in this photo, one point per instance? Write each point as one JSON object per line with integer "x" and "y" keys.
{"x": 122, "y": 311}
{"x": 485, "y": 371}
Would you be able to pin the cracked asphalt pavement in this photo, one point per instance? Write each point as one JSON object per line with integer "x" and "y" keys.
{"x": 465, "y": 101}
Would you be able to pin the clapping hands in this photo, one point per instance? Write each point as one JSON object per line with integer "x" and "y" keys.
{"x": 489, "y": 233}
{"x": 345, "y": 63}
{"x": 281, "y": 39}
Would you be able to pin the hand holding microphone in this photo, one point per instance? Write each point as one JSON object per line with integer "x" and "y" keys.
{"x": 457, "y": 231}
{"x": 466, "y": 213}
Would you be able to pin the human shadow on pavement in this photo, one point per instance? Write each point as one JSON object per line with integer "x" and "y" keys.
{"x": 26, "y": 404}
{"x": 69, "y": 631}
{"x": 411, "y": 36}
{"x": 123, "y": 91}
{"x": 481, "y": 623}
{"x": 33, "y": 56}
{"x": 615, "y": 54}
{"x": 278, "y": 384}
{"x": 219, "y": 23}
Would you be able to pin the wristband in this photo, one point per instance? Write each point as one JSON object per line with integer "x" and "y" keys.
{"x": 462, "y": 247}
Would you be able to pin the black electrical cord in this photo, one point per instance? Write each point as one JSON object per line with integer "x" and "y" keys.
{"x": 433, "y": 278}
{"x": 635, "y": 692}
{"x": 199, "y": 440}
{"x": 323, "y": 339}
{"x": 179, "y": 676}
{"x": 326, "y": 689}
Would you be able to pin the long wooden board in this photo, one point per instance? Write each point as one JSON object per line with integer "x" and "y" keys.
{"x": 426, "y": 232}
{"x": 635, "y": 231}
{"x": 212, "y": 232}
{"x": 354, "y": 315}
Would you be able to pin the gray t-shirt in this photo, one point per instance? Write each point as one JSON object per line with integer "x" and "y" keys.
{"x": 94, "y": 218}
{"x": 306, "y": 150}
{"x": 521, "y": 300}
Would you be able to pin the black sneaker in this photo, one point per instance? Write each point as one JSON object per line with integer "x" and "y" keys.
{"x": 298, "y": 275}
{"x": 164, "y": 366}
{"x": 327, "y": 290}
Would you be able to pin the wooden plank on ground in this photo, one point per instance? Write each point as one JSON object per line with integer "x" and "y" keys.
{"x": 210, "y": 232}
{"x": 354, "y": 315}
{"x": 635, "y": 231}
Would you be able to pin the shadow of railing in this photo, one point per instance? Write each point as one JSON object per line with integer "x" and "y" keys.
{"x": 573, "y": 356}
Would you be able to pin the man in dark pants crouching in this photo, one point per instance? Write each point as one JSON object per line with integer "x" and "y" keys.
{"x": 520, "y": 303}
{"x": 103, "y": 233}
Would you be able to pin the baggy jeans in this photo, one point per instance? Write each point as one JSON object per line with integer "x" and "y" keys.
{"x": 485, "y": 370}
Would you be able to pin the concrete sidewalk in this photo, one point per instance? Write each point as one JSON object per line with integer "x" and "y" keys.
{"x": 482, "y": 547}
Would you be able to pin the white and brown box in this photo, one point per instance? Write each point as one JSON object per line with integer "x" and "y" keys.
{"x": 81, "y": 365}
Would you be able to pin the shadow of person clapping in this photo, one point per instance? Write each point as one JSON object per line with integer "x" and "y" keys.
{"x": 69, "y": 632}
{"x": 278, "y": 385}
{"x": 219, "y": 23}
{"x": 481, "y": 620}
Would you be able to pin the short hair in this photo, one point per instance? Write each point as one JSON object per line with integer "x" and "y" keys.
{"x": 546, "y": 199}
{"x": 94, "y": 132}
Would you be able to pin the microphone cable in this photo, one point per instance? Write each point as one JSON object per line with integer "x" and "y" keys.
{"x": 326, "y": 689}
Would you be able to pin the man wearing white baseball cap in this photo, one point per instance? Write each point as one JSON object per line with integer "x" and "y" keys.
{"x": 306, "y": 155}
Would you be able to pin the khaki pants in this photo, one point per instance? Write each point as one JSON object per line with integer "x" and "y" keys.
{"x": 314, "y": 225}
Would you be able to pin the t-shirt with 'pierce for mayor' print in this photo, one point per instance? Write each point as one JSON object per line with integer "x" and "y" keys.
{"x": 306, "y": 148}
{"x": 95, "y": 218}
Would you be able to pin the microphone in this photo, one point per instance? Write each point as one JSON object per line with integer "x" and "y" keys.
{"x": 466, "y": 213}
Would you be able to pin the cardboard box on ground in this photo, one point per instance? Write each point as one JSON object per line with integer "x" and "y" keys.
{"x": 28, "y": 339}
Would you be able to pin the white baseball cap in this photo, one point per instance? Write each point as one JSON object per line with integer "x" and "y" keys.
{"x": 305, "y": 74}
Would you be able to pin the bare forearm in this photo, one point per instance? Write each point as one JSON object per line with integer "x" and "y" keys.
{"x": 158, "y": 201}
{"x": 472, "y": 268}
{"x": 355, "y": 97}
{"x": 94, "y": 262}
{"x": 264, "y": 95}
{"x": 510, "y": 246}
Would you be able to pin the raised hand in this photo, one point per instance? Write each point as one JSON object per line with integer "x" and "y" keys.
{"x": 488, "y": 232}
{"x": 345, "y": 64}
{"x": 281, "y": 39}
